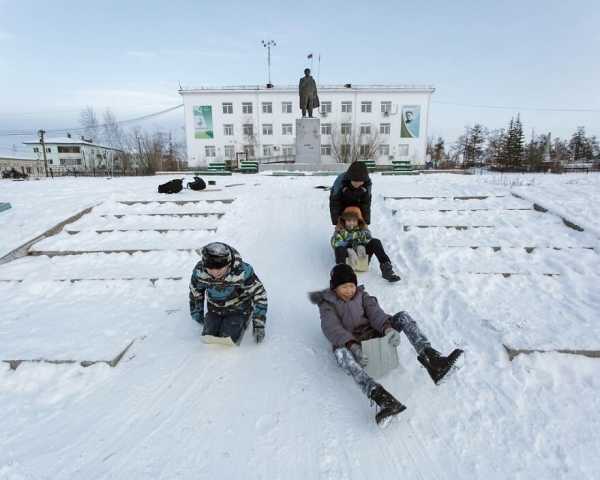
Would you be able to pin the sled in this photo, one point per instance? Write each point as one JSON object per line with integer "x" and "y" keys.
{"x": 383, "y": 358}
{"x": 358, "y": 259}
{"x": 218, "y": 340}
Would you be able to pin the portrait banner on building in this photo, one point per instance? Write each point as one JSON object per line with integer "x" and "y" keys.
{"x": 203, "y": 123}
{"x": 411, "y": 119}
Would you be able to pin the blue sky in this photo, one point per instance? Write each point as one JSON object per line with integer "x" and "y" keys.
{"x": 57, "y": 57}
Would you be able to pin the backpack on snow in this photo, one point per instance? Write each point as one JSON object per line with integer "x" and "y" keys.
{"x": 172, "y": 186}
{"x": 197, "y": 184}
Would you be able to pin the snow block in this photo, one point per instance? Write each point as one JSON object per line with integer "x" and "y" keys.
{"x": 218, "y": 340}
{"x": 358, "y": 260}
{"x": 382, "y": 356}
{"x": 4, "y": 206}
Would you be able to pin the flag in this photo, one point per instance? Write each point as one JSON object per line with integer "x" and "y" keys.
{"x": 309, "y": 55}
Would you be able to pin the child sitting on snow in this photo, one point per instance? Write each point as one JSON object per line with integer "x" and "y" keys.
{"x": 352, "y": 232}
{"x": 349, "y": 315}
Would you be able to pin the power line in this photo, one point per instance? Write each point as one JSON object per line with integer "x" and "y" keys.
{"x": 505, "y": 107}
{"x": 24, "y": 133}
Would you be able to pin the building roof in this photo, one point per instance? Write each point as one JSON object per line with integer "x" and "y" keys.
{"x": 326, "y": 88}
{"x": 69, "y": 141}
{"x": 17, "y": 157}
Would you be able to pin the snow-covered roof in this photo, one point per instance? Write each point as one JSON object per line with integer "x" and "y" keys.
{"x": 340, "y": 87}
{"x": 69, "y": 141}
{"x": 24, "y": 158}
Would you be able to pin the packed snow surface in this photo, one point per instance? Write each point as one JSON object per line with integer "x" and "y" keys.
{"x": 480, "y": 268}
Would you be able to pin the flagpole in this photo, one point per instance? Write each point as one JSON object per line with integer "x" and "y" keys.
{"x": 319, "y": 71}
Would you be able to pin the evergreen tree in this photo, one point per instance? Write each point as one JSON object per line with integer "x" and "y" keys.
{"x": 577, "y": 146}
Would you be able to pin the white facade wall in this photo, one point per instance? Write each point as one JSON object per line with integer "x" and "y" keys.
{"x": 398, "y": 96}
{"x": 90, "y": 156}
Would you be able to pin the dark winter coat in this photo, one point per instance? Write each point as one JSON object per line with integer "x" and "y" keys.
{"x": 343, "y": 322}
{"x": 240, "y": 291}
{"x": 343, "y": 195}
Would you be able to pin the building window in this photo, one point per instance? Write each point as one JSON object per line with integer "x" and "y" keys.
{"x": 228, "y": 129}
{"x": 210, "y": 151}
{"x": 228, "y": 108}
{"x": 403, "y": 150}
{"x": 36, "y": 149}
{"x": 287, "y": 150}
{"x": 326, "y": 150}
{"x": 68, "y": 149}
{"x": 346, "y": 128}
{"x": 386, "y": 107}
{"x": 346, "y": 107}
{"x": 246, "y": 107}
{"x": 28, "y": 169}
{"x": 267, "y": 107}
{"x": 365, "y": 107}
{"x": 384, "y": 149}
{"x": 267, "y": 150}
{"x": 248, "y": 129}
{"x": 365, "y": 129}
{"x": 48, "y": 150}
{"x": 384, "y": 128}
{"x": 365, "y": 151}
{"x": 286, "y": 107}
{"x": 249, "y": 151}
{"x": 344, "y": 151}
{"x": 229, "y": 151}
{"x": 286, "y": 129}
{"x": 267, "y": 129}
{"x": 325, "y": 107}
{"x": 326, "y": 129}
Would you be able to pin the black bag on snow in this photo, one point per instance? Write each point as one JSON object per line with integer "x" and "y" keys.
{"x": 197, "y": 184}
{"x": 172, "y": 186}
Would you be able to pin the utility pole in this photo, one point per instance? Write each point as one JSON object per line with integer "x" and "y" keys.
{"x": 41, "y": 133}
{"x": 268, "y": 44}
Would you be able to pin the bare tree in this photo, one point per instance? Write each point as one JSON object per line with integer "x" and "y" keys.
{"x": 89, "y": 122}
{"x": 348, "y": 146}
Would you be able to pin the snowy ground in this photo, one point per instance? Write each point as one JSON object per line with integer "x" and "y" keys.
{"x": 484, "y": 271}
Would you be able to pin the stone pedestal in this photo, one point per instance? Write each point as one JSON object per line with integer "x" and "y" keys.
{"x": 308, "y": 141}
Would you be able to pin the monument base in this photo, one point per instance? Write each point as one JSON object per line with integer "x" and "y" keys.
{"x": 308, "y": 141}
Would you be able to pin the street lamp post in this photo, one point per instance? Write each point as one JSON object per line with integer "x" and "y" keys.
{"x": 268, "y": 44}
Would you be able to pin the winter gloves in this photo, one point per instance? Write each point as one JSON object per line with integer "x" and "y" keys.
{"x": 259, "y": 333}
{"x": 258, "y": 330}
{"x": 358, "y": 354}
{"x": 393, "y": 337}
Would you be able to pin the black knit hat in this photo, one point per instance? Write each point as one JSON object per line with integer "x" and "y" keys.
{"x": 216, "y": 255}
{"x": 357, "y": 172}
{"x": 341, "y": 274}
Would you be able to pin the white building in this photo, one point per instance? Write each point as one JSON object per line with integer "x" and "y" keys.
{"x": 222, "y": 122}
{"x": 22, "y": 164}
{"x": 76, "y": 154}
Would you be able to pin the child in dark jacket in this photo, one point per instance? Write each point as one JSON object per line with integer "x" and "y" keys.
{"x": 352, "y": 232}
{"x": 349, "y": 314}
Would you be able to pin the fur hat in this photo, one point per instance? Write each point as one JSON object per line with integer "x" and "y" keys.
{"x": 341, "y": 274}
{"x": 216, "y": 255}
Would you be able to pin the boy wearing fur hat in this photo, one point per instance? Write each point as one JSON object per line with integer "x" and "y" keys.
{"x": 349, "y": 315}
{"x": 233, "y": 292}
{"x": 352, "y": 232}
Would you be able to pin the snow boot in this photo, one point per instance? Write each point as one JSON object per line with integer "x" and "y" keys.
{"x": 436, "y": 365}
{"x": 387, "y": 272}
{"x": 388, "y": 405}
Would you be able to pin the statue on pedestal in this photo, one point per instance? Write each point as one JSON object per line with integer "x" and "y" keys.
{"x": 309, "y": 99}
